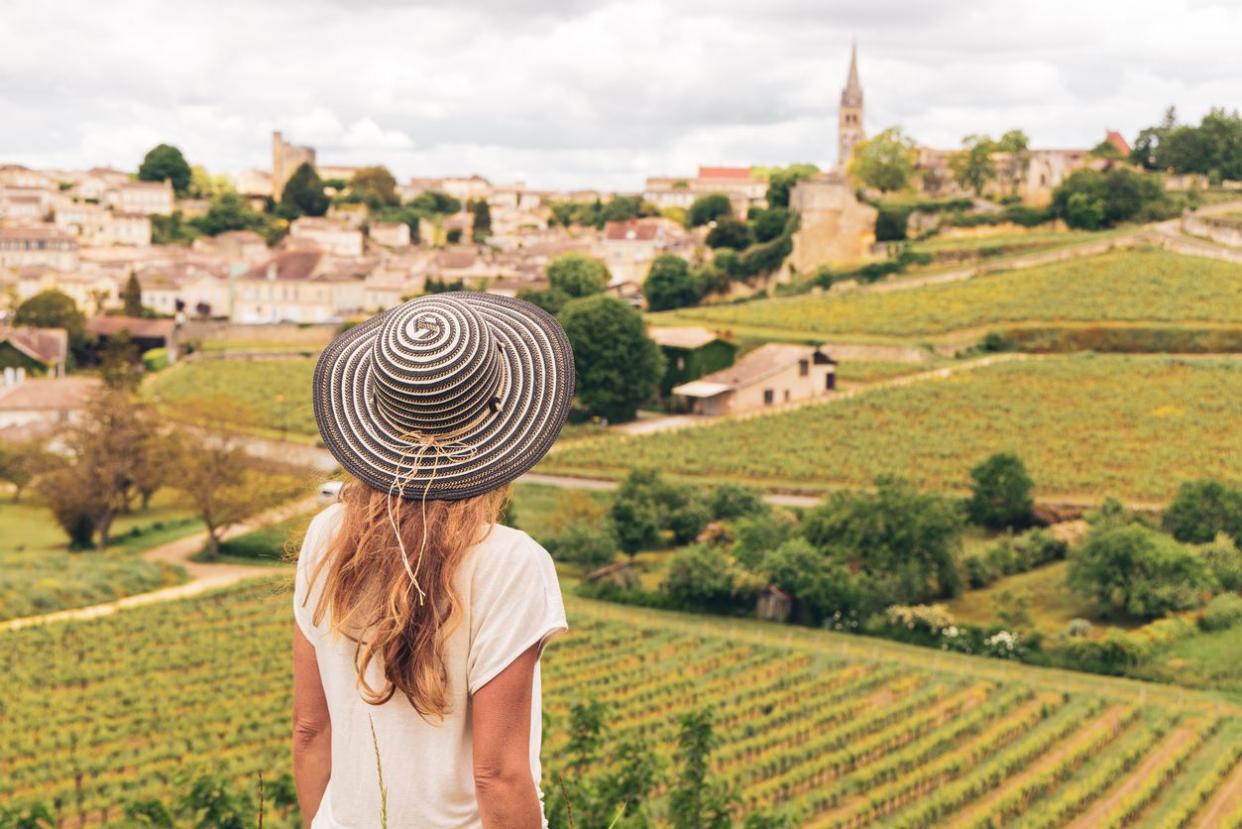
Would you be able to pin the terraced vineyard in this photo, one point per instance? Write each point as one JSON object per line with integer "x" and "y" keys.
{"x": 842, "y": 731}
{"x": 1129, "y": 286}
{"x": 251, "y": 386}
{"x": 1089, "y": 426}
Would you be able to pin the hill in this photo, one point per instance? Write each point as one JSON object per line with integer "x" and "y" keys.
{"x": 843, "y": 731}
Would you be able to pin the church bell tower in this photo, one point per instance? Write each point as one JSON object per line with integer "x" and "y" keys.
{"x": 850, "y": 115}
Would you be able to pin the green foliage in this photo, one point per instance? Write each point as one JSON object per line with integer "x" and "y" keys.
{"x": 903, "y": 540}
{"x": 433, "y": 202}
{"x": 1092, "y": 199}
{"x": 1134, "y": 571}
{"x": 1214, "y": 148}
{"x": 131, "y": 297}
{"x": 166, "y": 162}
{"x": 577, "y": 275}
{"x": 972, "y": 166}
{"x": 618, "y": 365}
{"x": 1106, "y": 150}
{"x": 730, "y": 232}
{"x": 376, "y": 187}
{"x": 669, "y": 284}
{"x": 700, "y": 577}
{"x": 1222, "y": 613}
{"x": 590, "y": 545}
{"x": 51, "y": 308}
{"x": 1202, "y": 510}
{"x": 770, "y": 223}
{"x": 709, "y": 208}
{"x": 1011, "y": 555}
{"x": 640, "y": 509}
{"x": 1001, "y": 493}
{"x": 552, "y": 300}
{"x": 822, "y": 587}
{"x": 696, "y": 801}
{"x": 890, "y": 224}
{"x": 758, "y": 534}
{"x": 728, "y": 501}
{"x": 1224, "y": 559}
{"x": 171, "y": 230}
{"x": 481, "y": 227}
{"x": 885, "y": 161}
{"x": 303, "y": 194}
{"x": 596, "y": 213}
{"x": 782, "y": 179}
{"x": 227, "y": 212}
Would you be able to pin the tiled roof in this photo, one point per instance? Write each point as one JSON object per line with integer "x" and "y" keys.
{"x": 634, "y": 230}
{"x": 764, "y": 361}
{"x": 136, "y": 326}
{"x": 47, "y": 345}
{"x": 49, "y": 394}
{"x": 688, "y": 338}
{"x": 725, "y": 172}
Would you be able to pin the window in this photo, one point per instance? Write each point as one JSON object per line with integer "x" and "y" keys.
{"x": 804, "y": 368}
{"x": 830, "y": 380}
{"x": 768, "y": 397}
{"x": 786, "y": 395}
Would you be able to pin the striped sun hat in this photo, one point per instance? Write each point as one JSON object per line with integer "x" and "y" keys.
{"x": 445, "y": 396}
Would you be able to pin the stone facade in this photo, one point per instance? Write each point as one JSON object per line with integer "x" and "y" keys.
{"x": 835, "y": 226}
{"x": 286, "y": 159}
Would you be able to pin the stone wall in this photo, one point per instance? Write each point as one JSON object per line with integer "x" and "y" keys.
{"x": 834, "y": 225}
{"x": 1222, "y": 230}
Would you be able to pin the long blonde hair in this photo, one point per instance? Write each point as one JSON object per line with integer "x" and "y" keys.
{"x": 369, "y": 597}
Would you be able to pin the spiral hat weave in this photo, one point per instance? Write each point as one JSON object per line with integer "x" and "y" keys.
{"x": 445, "y": 396}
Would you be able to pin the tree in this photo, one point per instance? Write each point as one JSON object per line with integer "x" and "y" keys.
{"x": 637, "y": 510}
{"x": 885, "y": 161}
{"x": 1202, "y": 510}
{"x": 1001, "y": 493}
{"x": 431, "y": 202}
{"x": 669, "y": 284}
{"x": 131, "y": 296}
{"x": 730, "y": 233}
{"x": 376, "y": 187}
{"x": 972, "y": 166}
{"x": 51, "y": 308}
{"x": 1134, "y": 571}
{"x": 1015, "y": 144}
{"x": 227, "y": 212}
{"x": 21, "y": 462}
{"x": 618, "y": 365}
{"x": 1106, "y": 150}
{"x": 481, "y": 227}
{"x": 1092, "y": 198}
{"x": 119, "y": 363}
{"x": 303, "y": 194}
{"x": 903, "y": 540}
{"x": 782, "y": 179}
{"x": 577, "y": 275}
{"x": 203, "y": 185}
{"x": 730, "y": 501}
{"x": 708, "y": 208}
{"x": 695, "y": 801}
{"x": 166, "y": 162}
{"x": 770, "y": 223}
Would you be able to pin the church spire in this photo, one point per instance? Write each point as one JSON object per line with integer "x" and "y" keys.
{"x": 852, "y": 94}
{"x": 850, "y": 114}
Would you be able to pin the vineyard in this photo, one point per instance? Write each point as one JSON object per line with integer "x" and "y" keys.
{"x": 1138, "y": 285}
{"x": 839, "y": 731}
{"x": 272, "y": 394}
{"x": 1134, "y": 427}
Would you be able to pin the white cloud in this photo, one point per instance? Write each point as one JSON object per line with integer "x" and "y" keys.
{"x": 582, "y": 92}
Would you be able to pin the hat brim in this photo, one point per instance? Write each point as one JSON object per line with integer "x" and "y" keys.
{"x": 534, "y": 401}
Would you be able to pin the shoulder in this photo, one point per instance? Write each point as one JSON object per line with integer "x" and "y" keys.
{"x": 506, "y": 545}
{"x": 319, "y": 533}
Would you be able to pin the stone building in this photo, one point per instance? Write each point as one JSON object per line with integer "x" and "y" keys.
{"x": 850, "y": 113}
{"x": 286, "y": 159}
{"x": 834, "y": 225}
{"x": 772, "y": 375}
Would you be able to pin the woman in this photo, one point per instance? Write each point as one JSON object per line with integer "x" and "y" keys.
{"x": 420, "y": 621}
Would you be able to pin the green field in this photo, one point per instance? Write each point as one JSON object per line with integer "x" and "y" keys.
{"x": 1026, "y": 242}
{"x": 1086, "y": 426}
{"x": 1137, "y": 285}
{"x": 252, "y": 390}
{"x": 839, "y": 730}
{"x": 38, "y": 574}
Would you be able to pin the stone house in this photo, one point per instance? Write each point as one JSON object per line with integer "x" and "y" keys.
{"x": 391, "y": 234}
{"x": 772, "y": 375}
{"x": 146, "y": 197}
{"x": 337, "y": 238}
{"x": 629, "y": 247}
{"x": 42, "y": 404}
{"x": 44, "y": 245}
{"x": 298, "y": 286}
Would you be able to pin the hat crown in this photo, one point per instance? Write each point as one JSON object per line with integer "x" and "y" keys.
{"x": 436, "y": 366}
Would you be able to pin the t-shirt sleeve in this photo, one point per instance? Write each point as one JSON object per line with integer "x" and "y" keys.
{"x": 314, "y": 545}
{"x": 516, "y": 603}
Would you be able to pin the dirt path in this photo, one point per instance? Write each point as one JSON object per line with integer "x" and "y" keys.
{"x": 1094, "y": 816}
{"x": 203, "y": 576}
{"x": 1108, "y": 721}
{"x": 1227, "y": 797}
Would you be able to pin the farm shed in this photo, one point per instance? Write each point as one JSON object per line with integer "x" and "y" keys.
{"x": 772, "y": 375}
{"x": 690, "y": 353}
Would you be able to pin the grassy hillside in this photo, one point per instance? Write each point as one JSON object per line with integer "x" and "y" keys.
{"x": 1086, "y": 425}
{"x": 250, "y": 387}
{"x": 1136, "y": 285}
{"x": 840, "y": 730}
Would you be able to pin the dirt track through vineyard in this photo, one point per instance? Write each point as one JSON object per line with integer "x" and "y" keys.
{"x": 1095, "y": 815}
{"x": 1227, "y": 798}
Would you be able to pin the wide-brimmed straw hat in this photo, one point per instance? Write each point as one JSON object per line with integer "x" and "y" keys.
{"x": 446, "y": 396}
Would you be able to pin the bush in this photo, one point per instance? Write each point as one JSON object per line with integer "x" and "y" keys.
{"x": 890, "y": 224}
{"x": 1225, "y": 561}
{"x": 728, "y": 501}
{"x": 1001, "y": 493}
{"x": 757, "y": 535}
{"x": 700, "y": 578}
{"x": 155, "y": 359}
{"x": 730, "y": 233}
{"x": 1222, "y": 613}
{"x": 1203, "y": 509}
{"x": 687, "y": 519}
{"x": 591, "y": 545}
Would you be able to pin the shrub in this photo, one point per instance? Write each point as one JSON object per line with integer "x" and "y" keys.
{"x": 1222, "y": 613}
{"x": 890, "y": 224}
{"x": 689, "y": 518}
{"x": 592, "y": 545}
{"x": 757, "y": 535}
{"x": 1201, "y": 510}
{"x": 735, "y": 500}
{"x": 699, "y": 578}
{"x": 1001, "y": 492}
{"x": 1225, "y": 561}
{"x": 155, "y": 359}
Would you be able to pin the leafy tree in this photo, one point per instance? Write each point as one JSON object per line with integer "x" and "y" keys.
{"x": 119, "y": 363}
{"x": 729, "y": 501}
{"x": 695, "y": 801}
{"x": 203, "y": 185}
{"x": 700, "y": 577}
{"x": 972, "y": 166}
{"x": 1134, "y": 571}
{"x": 431, "y": 202}
{"x": 638, "y": 510}
{"x": 376, "y": 187}
{"x": 21, "y": 462}
{"x": 1001, "y": 493}
{"x": 706, "y": 209}
{"x": 303, "y": 194}
{"x": 166, "y": 162}
{"x": 669, "y": 284}
{"x": 820, "y": 586}
{"x": 1106, "y": 150}
{"x": 552, "y": 300}
{"x": 228, "y": 212}
{"x": 1017, "y": 145}
{"x": 131, "y": 296}
{"x": 1202, "y": 510}
{"x": 903, "y": 540}
{"x": 1224, "y": 559}
{"x": 481, "y": 228}
{"x": 577, "y": 275}
{"x": 770, "y": 223}
{"x": 591, "y": 545}
{"x": 782, "y": 179}
{"x": 758, "y": 534}
{"x": 1084, "y": 212}
{"x": 730, "y": 233}
{"x": 172, "y": 230}
{"x": 618, "y": 365}
{"x": 885, "y": 161}
{"x": 51, "y": 308}
{"x": 1093, "y": 198}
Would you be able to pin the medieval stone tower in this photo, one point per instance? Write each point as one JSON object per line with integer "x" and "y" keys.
{"x": 850, "y": 116}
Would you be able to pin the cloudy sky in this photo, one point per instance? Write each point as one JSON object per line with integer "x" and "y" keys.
{"x": 568, "y": 93}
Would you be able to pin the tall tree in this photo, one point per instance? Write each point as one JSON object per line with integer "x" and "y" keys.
{"x": 782, "y": 179}
{"x": 375, "y": 186}
{"x": 119, "y": 363}
{"x": 885, "y": 161}
{"x": 669, "y": 284}
{"x": 22, "y": 461}
{"x": 1001, "y": 493}
{"x": 131, "y": 296}
{"x": 52, "y": 308}
{"x": 1017, "y": 145}
{"x": 578, "y": 275}
{"x": 618, "y": 365}
{"x": 972, "y": 166}
{"x": 481, "y": 227}
{"x": 709, "y": 208}
{"x": 165, "y": 161}
{"x": 303, "y": 193}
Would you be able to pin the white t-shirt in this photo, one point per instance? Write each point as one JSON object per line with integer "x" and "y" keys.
{"x": 511, "y": 601}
